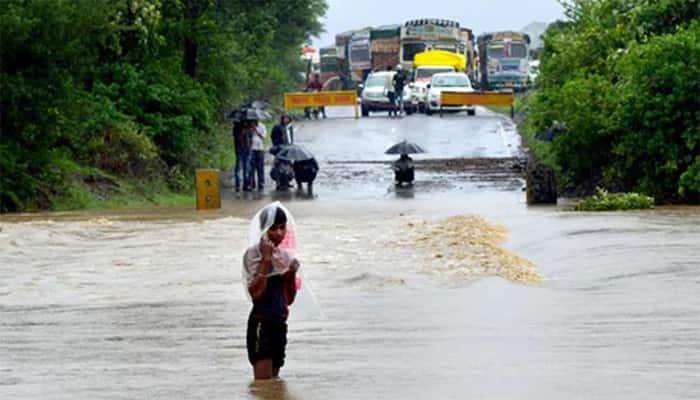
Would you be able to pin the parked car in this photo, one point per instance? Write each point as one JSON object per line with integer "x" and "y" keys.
{"x": 374, "y": 94}
{"x": 452, "y": 82}
{"x": 422, "y": 77}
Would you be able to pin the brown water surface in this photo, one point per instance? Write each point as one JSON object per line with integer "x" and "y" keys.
{"x": 149, "y": 304}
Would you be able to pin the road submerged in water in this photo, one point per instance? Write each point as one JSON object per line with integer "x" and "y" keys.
{"x": 149, "y": 303}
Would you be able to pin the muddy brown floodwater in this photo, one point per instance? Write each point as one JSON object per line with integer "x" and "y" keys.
{"x": 456, "y": 291}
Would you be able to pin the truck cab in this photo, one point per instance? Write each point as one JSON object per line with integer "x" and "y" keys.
{"x": 429, "y": 63}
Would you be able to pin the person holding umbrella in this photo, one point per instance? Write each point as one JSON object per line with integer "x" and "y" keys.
{"x": 303, "y": 164}
{"x": 404, "y": 170}
{"x": 241, "y": 144}
{"x": 403, "y": 167}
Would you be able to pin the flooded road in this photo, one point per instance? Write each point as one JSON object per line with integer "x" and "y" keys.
{"x": 149, "y": 303}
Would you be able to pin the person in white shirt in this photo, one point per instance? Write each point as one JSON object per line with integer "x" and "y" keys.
{"x": 257, "y": 158}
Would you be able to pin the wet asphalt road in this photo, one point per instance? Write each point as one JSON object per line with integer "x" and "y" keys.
{"x": 353, "y": 165}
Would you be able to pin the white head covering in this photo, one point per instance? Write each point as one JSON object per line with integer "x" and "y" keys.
{"x": 283, "y": 256}
{"x": 265, "y": 218}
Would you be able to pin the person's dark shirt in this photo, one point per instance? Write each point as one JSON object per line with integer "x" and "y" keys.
{"x": 242, "y": 140}
{"x": 273, "y": 303}
{"x": 399, "y": 82}
{"x": 314, "y": 85}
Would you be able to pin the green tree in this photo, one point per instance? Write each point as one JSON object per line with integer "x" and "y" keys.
{"x": 623, "y": 76}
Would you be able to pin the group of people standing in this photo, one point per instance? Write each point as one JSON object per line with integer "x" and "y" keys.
{"x": 249, "y": 170}
{"x": 249, "y": 143}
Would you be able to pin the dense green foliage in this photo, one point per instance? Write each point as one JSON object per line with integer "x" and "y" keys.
{"x": 102, "y": 96}
{"x": 605, "y": 201}
{"x": 624, "y": 76}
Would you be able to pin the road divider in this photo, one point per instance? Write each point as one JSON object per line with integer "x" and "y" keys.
{"x": 321, "y": 99}
{"x": 448, "y": 99}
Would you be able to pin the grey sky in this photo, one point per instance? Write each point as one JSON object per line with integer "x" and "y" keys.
{"x": 479, "y": 15}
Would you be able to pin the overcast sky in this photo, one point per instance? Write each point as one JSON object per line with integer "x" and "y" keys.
{"x": 479, "y": 15}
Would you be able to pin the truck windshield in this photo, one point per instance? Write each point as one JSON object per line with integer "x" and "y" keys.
{"x": 445, "y": 46}
{"x": 518, "y": 50}
{"x": 422, "y": 73}
{"x": 329, "y": 64}
{"x": 496, "y": 51}
{"x": 410, "y": 50}
{"x": 450, "y": 81}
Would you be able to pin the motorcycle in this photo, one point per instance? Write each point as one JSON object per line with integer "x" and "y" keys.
{"x": 314, "y": 112}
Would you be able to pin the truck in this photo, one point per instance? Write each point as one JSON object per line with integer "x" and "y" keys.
{"x": 330, "y": 70}
{"x": 359, "y": 60}
{"x": 429, "y": 34}
{"x": 504, "y": 60}
{"x": 385, "y": 46}
{"x": 342, "y": 45}
{"x": 469, "y": 52}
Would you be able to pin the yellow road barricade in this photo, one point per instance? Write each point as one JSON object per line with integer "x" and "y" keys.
{"x": 477, "y": 98}
{"x": 321, "y": 99}
{"x": 208, "y": 189}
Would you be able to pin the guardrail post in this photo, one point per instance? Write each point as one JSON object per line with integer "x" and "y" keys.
{"x": 208, "y": 189}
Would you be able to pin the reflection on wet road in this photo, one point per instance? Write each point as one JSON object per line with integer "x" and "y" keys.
{"x": 149, "y": 304}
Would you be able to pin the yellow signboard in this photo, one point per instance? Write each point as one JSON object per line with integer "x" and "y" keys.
{"x": 208, "y": 189}
{"x": 476, "y": 98}
{"x": 320, "y": 99}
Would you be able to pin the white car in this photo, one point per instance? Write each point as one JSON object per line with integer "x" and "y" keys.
{"x": 422, "y": 77}
{"x": 451, "y": 82}
{"x": 374, "y": 94}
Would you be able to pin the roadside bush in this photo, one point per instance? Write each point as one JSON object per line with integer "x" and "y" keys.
{"x": 657, "y": 117}
{"x": 624, "y": 77}
{"x": 604, "y": 201}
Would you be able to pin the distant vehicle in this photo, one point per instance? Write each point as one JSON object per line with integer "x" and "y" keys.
{"x": 449, "y": 81}
{"x": 374, "y": 94}
{"x": 342, "y": 45}
{"x": 330, "y": 69}
{"x": 504, "y": 60}
{"x": 359, "y": 55}
{"x": 428, "y": 63}
{"x": 385, "y": 46}
{"x": 427, "y": 34}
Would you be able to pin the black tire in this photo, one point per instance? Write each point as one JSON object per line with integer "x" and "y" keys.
{"x": 471, "y": 112}
{"x": 428, "y": 111}
{"x": 365, "y": 111}
{"x": 409, "y": 111}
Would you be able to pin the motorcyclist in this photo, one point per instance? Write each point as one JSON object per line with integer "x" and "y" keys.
{"x": 315, "y": 86}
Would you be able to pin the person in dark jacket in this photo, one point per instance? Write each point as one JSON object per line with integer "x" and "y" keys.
{"x": 305, "y": 171}
{"x": 282, "y": 133}
{"x": 403, "y": 170}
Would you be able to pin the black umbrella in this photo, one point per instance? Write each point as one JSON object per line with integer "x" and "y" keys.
{"x": 404, "y": 147}
{"x": 294, "y": 152}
